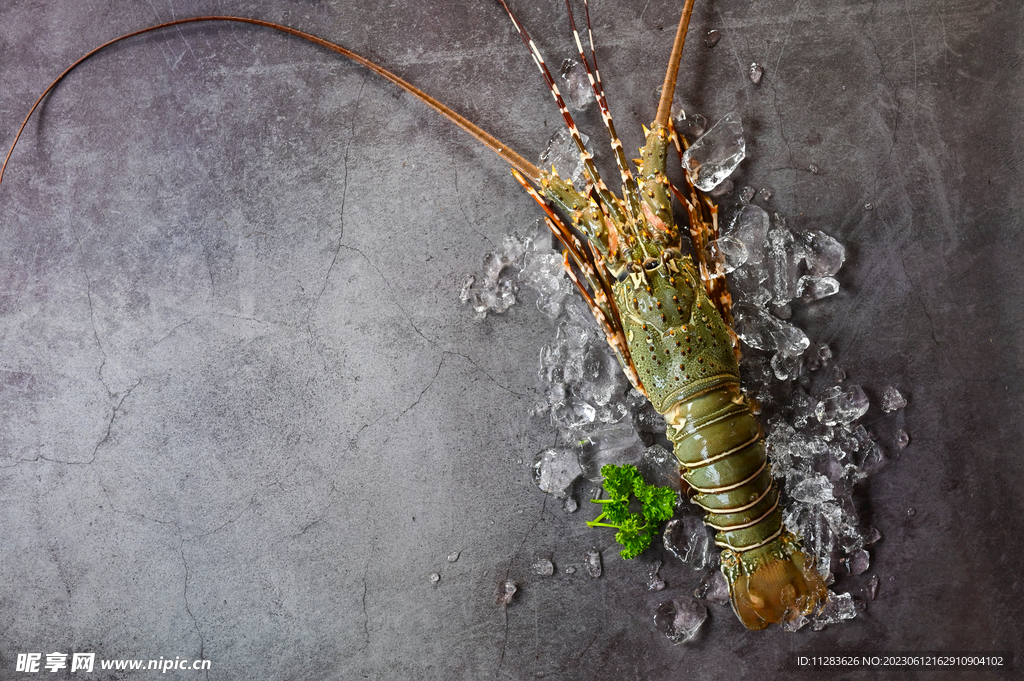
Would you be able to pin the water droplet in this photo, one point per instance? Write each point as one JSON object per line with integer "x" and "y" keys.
{"x": 434, "y": 578}
{"x": 869, "y": 206}
{"x": 453, "y": 556}
{"x": 712, "y": 37}
{"x": 814, "y": 169}
{"x": 570, "y": 570}
{"x": 911, "y": 512}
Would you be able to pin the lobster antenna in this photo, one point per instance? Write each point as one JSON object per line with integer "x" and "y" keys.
{"x": 668, "y": 87}
{"x": 488, "y": 140}
{"x": 629, "y": 189}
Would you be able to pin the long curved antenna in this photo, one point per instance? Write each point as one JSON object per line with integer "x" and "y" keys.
{"x": 668, "y": 87}
{"x": 488, "y": 140}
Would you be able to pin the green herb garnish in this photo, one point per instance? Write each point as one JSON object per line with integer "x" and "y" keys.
{"x": 635, "y": 530}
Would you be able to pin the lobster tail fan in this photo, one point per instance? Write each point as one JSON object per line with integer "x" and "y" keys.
{"x": 779, "y": 590}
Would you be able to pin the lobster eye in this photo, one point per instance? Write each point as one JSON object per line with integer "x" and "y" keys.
{"x": 651, "y": 264}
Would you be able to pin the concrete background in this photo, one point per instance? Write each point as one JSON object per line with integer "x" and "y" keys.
{"x": 244, "y": 414}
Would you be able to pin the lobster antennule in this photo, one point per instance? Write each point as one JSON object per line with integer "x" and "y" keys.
{"x": 608, "y": 201}
{"x": 629, "y": 188}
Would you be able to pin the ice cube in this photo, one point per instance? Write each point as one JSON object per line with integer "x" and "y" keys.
{"x": 762, "y": 331}
{"x": 576, "y": 92}
{"x": 713, "y": 157}
{"x": 680, "y": 619}
{"x": 660, "y": 467}
{"x": 554, "y": 470}
{"x": 543, "y": 566}
{"x": 616, "y": 444}
{"x": 837, "y": 608}
{"x": 751, "y": 227}
{"x": 593, "y": 563}
{"x": 728, "y": 252}
{"x": 562, "y": 153}
{"x": 813, "y": 490}
{"x": 783, "y": 265}
{"x": 713, "y": 588}
{"x": 688, "y": 539}
{"x": 815, "y": 288}
{"x": 756, "y": 71}
{"x": 823, "y": 254}
{"x": 654, "y": 582}
{"x": 842, "y": 405}
{"x": 860, "y": 561}
{"x": 892, "y": 400}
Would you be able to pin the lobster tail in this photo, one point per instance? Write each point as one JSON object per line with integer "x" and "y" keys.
{"x": 773, "y": 584}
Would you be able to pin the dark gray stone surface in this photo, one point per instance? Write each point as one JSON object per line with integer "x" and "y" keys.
{"x": 245, "y": 416}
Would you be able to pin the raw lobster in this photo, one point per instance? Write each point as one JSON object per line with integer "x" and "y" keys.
{"x": 665, "y": 316}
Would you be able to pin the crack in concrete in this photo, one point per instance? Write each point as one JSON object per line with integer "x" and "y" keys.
{"x": 341, "y": 218}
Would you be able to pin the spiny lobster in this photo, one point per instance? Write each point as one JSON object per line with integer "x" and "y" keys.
{"x": 666, "y": 317}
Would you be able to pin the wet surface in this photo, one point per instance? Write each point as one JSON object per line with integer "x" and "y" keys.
{"x": 245, "y": 416}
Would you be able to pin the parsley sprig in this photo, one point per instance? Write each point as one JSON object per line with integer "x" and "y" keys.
{"x": 635, "y": 530}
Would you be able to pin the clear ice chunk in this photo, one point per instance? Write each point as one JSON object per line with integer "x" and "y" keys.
{"x": 842, "y": 405}
{"x": 680, "y": 619}
{"x": 813, "y": 490}
{"x": 562, "y": 153}
{"x": 871, "y": 590}
{"x": 660, "y": 467}
{"x": 688, "y": 539}
{"x": 554, "y": 470}
{"x": 593, "y": 563}
{"x": 751, "y": 228}
{"x": 713, "y": 157}
{"x": 543, "y": 566}
{"x": 756, "y": 71}
{"x": 506, "y": 590}
{"x": 839, "y": 607}
{"x": 570, "y": 504}
{"x": 783, "y": 265}
{"x": 860, "y": 561}
{"x": 815, "y": 288}
{"x": 763, "y": 331}
{"x": 576, "y": 92}
{"x": 892, "y": 400}
{"x": 823, "y": 254}
{"x": 544, "y": 272}
{"x": 728, "y": 251}
{"x": 654, "y": 581}
{"x": 713, "y": 588}
{"x": 746, "y": 194}
{"x": 616, "y": 444}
